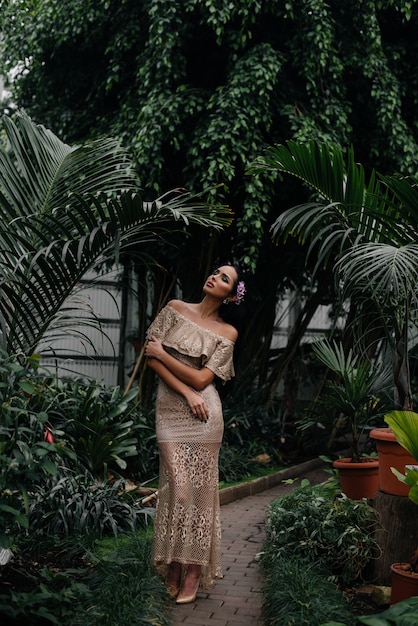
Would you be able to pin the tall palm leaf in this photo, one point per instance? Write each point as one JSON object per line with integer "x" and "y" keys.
{"x": 366, "y": 233}
{"x": 347, "y": 211}
{"x": 387, "y": 274}
{"x": 63, "y": 209}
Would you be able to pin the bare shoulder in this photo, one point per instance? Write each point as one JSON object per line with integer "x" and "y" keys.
{"x": 177, "y": 305}
{"x": 185, "y": 308}
{"x": 229, "y": 332}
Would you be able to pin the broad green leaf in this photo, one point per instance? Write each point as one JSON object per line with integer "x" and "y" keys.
{"x": 404, "y": 425}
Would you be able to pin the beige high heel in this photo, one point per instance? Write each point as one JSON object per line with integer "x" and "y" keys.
{"x": 190, "y": 596}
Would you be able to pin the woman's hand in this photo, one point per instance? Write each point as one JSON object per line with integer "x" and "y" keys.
{"x": 197, "y": 405}
{"x": 154, "y": 348}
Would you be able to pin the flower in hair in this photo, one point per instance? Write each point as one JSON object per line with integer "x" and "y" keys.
{"x": 240, "y": 292}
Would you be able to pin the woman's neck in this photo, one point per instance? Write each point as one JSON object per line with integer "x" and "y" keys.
{"x": 208, "y": 308}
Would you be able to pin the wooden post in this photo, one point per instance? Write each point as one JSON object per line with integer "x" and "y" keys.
{"x": 396, "y": 533}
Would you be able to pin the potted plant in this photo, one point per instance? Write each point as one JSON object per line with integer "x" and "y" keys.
{"x": 353, "y": 396}
{"x": 404, "y": 425}
{"x": 391, "y": 454}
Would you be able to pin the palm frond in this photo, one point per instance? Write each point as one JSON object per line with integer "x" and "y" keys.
{"x": 38, "y": 170}
{"x": 64, "y": 210}
{"x": 358, "y": 379}
{"x": 341, "y": 219}
{"x": 403, "y": 206}
{"x": 380, "y": 269}
{"x": 319, "y": 165}
{"x": 385, "y": 211}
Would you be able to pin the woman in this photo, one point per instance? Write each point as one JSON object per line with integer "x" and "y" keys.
{"x": 190, "y": 346}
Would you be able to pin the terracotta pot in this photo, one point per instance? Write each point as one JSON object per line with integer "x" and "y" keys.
{"x": 404, "y": 582}
{"x": 391, "y": 454}
{"x": 358, "y": 480}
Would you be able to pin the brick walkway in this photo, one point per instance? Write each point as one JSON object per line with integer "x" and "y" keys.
{"x": 236, "y": 599}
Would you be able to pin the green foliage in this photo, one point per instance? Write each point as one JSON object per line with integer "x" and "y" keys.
{"x": 404, "y": 425}
{"x": 111, "y": 584}
{"x": 357, "y": 391}
{"x": 235, "y": 464}
{"x": 26, "y": 459}
{"x": 357, "y": 230}
{"x": 229, "y": 79}
{"x": 297, "y": 593}
{"x": 64, "y": 210}
{"x": 125, "y": 574}
{"x": 403, "y": 613}
{"x": 55, "y": 486}
{"x": 71, "y": 505}
{"x": 97, "y": 422}
{"x": 311, "y": 524}
{"x": 56, "y": 598}
{"x": 107, "y": 429}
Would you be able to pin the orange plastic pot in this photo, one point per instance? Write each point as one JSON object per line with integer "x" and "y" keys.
{"x": 391, "y": 454}
{"x": 404, "y": 582}
{"x": 358, "y": 480}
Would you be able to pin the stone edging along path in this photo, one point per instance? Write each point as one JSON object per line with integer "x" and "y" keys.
{"x": 235, "y": 492}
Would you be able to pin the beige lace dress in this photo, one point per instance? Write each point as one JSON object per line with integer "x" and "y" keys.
{"x": 187, "y": 526}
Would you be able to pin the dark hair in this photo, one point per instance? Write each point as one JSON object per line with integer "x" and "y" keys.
{"x": 234, "y": 314}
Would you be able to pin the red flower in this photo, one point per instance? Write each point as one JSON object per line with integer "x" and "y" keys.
{"x": 48, "y": 436}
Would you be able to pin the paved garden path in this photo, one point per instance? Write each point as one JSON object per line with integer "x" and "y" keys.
{"x": 236, "y": 599}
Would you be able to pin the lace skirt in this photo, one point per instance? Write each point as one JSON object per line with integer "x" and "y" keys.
{"x": 187, "y": 526}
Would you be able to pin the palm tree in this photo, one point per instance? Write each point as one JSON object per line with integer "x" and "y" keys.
{"x": 64, "y": 210}
{"x": 367, "y": 234}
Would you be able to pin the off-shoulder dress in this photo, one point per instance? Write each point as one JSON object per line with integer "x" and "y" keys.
{"x": 187, "y": 526}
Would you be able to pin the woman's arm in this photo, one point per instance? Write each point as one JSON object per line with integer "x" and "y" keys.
{"x": 198, "y": 379}
{"x": 196, "y": 403}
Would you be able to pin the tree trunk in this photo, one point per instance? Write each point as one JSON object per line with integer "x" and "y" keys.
{"x": 396, "y": 533}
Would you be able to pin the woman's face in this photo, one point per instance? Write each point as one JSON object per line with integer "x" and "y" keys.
{"x": 221, "y": 282}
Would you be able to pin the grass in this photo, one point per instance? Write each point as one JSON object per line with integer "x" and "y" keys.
{"x": 126, "y": 590}
{"x": 111, "y": 582}
{"x": 298, "y": 593}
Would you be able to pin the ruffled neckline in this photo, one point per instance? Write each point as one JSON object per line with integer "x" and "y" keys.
{"x": 208, "y": 330}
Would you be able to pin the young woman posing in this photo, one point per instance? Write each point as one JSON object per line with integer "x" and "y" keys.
{"x": 190, "y": 346}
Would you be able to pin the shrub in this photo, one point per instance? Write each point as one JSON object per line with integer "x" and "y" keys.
{"x": 404, "y": 613}
{"x": 111, "y": 584}
{"x": 335, "y": 532}
{"x": 81, "y": 505}
{"x": 96, "y": 422}
{"x": 25, "y": 458}
{"x": 104, "y": 428}
{"x": 56, "y": 598}
{"x": 248, "y": 424}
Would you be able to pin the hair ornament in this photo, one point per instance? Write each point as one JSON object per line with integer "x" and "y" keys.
{"x": 240, "y": 292}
